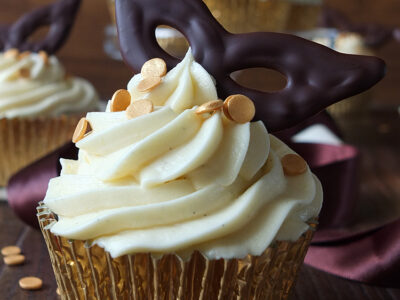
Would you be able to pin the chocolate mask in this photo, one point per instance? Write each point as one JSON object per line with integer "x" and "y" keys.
{"x": 316, "y": 75}
{"x": 59, "y": 16}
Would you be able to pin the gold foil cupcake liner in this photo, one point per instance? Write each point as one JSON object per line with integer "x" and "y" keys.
{"x": 22, "y": 141}
{"x": 88, "y": 272}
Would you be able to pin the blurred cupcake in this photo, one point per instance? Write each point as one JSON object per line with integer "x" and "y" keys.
{"x": 351, "y": 43}
{"x": 272, "y": 15}
{"x": 39, "y": 107}
{"x": 177, "y": 195}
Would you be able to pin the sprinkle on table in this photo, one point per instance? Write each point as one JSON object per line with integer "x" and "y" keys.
{"x": 30, "y": 283}
{"x": 14, "y": 260}
{"x": 10, "y": 250}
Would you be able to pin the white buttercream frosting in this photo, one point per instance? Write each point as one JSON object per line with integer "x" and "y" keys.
{"x": 47, "y": 91}
{"x": 176, "y": 181}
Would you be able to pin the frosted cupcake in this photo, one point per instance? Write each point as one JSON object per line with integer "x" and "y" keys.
{"x": 39, "y": 107}
{"x": 177, "y": 195}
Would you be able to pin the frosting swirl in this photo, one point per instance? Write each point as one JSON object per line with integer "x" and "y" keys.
{"x": 176, "y": 181}
{"x": 31, "y": 86}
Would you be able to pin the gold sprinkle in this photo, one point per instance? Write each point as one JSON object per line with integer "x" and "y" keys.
{"x": 139, "y": 108}
{"x": 13, "y": 260}
{"x": 24, "y": 73}
{"x": 80, "y": 130}
{"x": 293, "y": 165}
{"x": 44, "y": 56}
{"x": 210, "y": 106}
{"x": 155, "y": 67}
{"x": 10, "y": 250}
{"x": 120, "y": 100}
{"x": 11, "y": 53}
{"x": 148, "y": 83}
{"x": 30, "y": 283}
{"x": 24, "y": 54}
{"x": 239, "y": 108}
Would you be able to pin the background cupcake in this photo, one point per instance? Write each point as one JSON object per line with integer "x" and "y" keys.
{"x": 39, "y": 102}
{"x": 349, "y": 43}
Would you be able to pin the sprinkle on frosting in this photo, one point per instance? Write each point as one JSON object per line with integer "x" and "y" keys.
{"x": 139, "y": 108}
{"x": 120, "y": 100}
{"x": 148, "y": 83}
{"x": 24, "y": 73}
{"x": 152, "y": 71}
{"x": 239, "y": 108}
{"x": 24, "y": 54}
{"x": 155, "y": 67}
{"x": 209, "y": 107}
{"x": 80, "y": 130}
{"x": 293, "y": 165}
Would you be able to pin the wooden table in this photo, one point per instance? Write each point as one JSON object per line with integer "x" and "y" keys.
{"x": 377, "y": 136}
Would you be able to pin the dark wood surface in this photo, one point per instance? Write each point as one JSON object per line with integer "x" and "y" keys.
{"x": 377, "y": 136}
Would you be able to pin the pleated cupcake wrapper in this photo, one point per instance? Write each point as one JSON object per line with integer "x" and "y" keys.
{"x": 22, "y": 141}
{"x": 89, "y": 272}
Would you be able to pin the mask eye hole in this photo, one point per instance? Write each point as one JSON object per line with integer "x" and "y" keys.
{"x": 172, "y": 41}
{"x": 39, "y": 34}
{"x": 260, "y": 79}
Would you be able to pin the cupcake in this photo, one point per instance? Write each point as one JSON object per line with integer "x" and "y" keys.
{"x": 350, "y": 43}
{"x": 177, "y": 195}
{"x": 39, "y": 107}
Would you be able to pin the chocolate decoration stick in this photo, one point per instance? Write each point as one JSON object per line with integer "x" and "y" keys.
{"x": 3, "y": 36}
{"x": 316, "y": 75}
{"x": 59, "y": 16}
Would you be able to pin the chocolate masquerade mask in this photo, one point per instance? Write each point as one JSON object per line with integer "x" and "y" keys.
{"x": 59, "y": 16}
{"x": 316, "y": 75}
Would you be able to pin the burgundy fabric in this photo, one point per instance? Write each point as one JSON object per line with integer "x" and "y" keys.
{"x": 26, "y": 188}
{"x": 336, "y": 167}
{"x": 372, "y": 256}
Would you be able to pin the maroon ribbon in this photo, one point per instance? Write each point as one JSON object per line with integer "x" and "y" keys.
{"x": 26, "y": 188}
{"x": 371, "y": 256}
